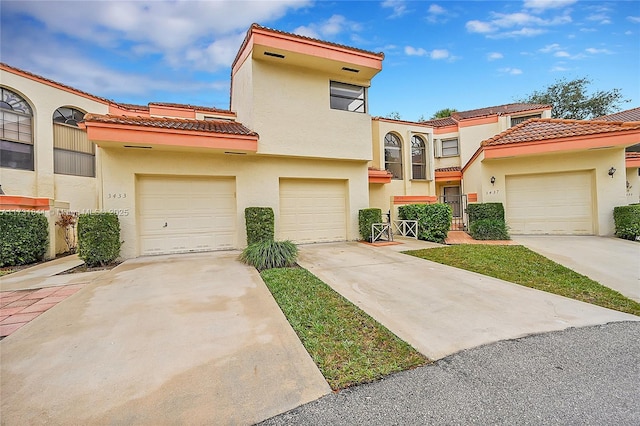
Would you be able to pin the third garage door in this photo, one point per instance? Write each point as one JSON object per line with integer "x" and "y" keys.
{"x": 550, "y": 203}
{"x": 312, "y": 210}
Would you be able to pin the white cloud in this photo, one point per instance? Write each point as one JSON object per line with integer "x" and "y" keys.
{"x": 541, "y": 5}
{"x": 595, "y": 51}
{"x": 628, "y": 32}
{"x": 494, "y": 55}
{"x": 436, "y": 9}
{"x": 412, "y": 51}
{"x": 436, "y": 13}
{"x": 439, "y": 54}
{"x": 562, "y": 54}
{"x": 559, "y": 68}
{"x": 550, "y": 48}
{"x": 399, "y": 7}
{"x": 329, "y": 28}
{"x": 634, "y": 19}
{"x": 166, "y": 28}
{"x": 600, "y": 18}
{"x": 481, "y": 27}
{"x": 500, "y": 25}
{"x": 511, "y": 71}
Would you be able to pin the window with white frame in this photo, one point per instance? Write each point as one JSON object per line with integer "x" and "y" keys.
{"x": 393, "y": 155}
{"x": 348, "y": 97}
{"x": 16, "y": 134}
{"x": 418, "y": 158}
{"x": 73, "y": 154}
{"x": 449, "y": 147}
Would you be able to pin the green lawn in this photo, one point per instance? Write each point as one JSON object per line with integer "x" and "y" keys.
{"x": 348, "y": 346}
{"x": 520, "y": 265}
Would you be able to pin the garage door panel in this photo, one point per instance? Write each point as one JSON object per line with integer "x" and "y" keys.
{"x": 558, "y": 203}
{"x": 312, "y": 210}
{"x": 184, "y": 214}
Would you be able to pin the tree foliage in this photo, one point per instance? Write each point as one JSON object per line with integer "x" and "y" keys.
{"x": 394, "y": 115}
{"x": 572, "y": 100}
{"x": 443, "y": 113}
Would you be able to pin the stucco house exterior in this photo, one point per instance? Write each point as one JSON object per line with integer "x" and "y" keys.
{"x": 297, "y": 137}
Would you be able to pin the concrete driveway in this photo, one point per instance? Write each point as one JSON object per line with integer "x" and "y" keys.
{"x": 438, "y": 309}
{"x": 189, "y": 339}
{"x": 613, "y": 262}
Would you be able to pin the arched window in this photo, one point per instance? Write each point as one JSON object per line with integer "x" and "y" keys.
{"x": 393, "y": 155}
{"x": 16, "y": 143}
{"x": 73, "y": 154}
{"x": 418, "y": 160}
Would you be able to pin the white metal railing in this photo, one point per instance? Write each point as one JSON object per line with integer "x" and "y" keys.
{"x": 406, "y": 228}
{"x": 381, "y": 232}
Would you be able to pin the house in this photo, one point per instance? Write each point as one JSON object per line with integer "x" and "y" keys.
{"x": 297, "y": 137}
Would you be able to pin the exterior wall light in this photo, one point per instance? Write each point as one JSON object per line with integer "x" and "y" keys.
{"x": 493, "y": 180}
{"x": 612, "y": 171}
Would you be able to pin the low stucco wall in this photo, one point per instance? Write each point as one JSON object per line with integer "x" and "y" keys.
{"x": 257, "y": 183}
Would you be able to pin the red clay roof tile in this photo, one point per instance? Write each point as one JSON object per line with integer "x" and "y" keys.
{"x": 441, "y": 122}
{"x": 632, "y": 114}
{"x": 539, "y": 129}
{"x": 210, "y": 126}
{"x": 506, "y": 109}
{"x": 188, "y": 106}
{"x": 449, "y": 169}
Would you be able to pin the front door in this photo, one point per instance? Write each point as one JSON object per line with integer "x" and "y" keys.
{"x": 452, "y": 197}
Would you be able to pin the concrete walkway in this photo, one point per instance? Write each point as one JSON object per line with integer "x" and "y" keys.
{"x": 438, "y": 309}
{"x": 613, "y": 262}
{"x": 188, "y": 339}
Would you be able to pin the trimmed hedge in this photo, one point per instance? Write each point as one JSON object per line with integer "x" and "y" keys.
{"x": 627, "y": 220}
{"x": 24, "y": 237}
{"x": 434, "y": 220}
{"x": 98, "y": 238}
{"x": 367, "y": 217}
{"x": 485, "y": 211}
{"x": 260, "y": 224}
{"x": 489, "y": 229}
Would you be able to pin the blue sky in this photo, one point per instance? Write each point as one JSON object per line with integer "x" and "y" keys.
{"x": 439, "y": 54}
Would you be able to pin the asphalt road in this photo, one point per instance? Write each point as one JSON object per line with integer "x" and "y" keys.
{"x": 584, "y": 376}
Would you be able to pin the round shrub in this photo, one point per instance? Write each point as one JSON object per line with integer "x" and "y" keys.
{"x": 367, "y": 217}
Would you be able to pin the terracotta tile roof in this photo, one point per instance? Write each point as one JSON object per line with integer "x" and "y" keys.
{"x": 632, "y": 114}
{"x": 538, "y": 129}
{"x": 449, "y": 169}
{"x": 187, "y": 106}
{"x": 210, "y": 126}
{"x": 498, "y": 110}
{"x": 133, "y": 106}
{"x": 301, "y": 37}
{"x": 55, "y": 83}
{"x": 441, "y": 122}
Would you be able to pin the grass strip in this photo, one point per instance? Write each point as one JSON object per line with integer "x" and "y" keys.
{"x": 518, "y": 264}
{"x": 348, "y": 346}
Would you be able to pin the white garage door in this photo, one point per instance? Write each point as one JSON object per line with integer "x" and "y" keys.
{"x": 177, "y": 215}
{"x": 312, "y": 210}
{"x": 554, "y": 203}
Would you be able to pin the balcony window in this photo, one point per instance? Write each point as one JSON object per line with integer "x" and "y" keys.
{"x": 418, "y": 160}
{"x": 393, "y": 155}
{"x": 73, "y": 154}
{"x": 16, "y": 134}
{"x": 450, "y": 147}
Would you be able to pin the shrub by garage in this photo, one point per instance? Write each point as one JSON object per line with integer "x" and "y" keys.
{"x": 24, "y": 237}
{"x": 627, "y": 220}
{"x": 260, "y": 224}
{"x": 486, "y": 221}
{"x": 434, "y": 220}
{"x": 479, "y": 211}
{"x": 98, "y": 238}
{"x": 366, "y": 218}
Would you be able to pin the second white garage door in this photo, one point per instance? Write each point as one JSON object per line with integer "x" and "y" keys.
{"x": 185, "y": 214}
{"x": 312, "y": 210}
{"x": 552, "y": 203}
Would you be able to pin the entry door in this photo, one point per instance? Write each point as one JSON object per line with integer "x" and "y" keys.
{"x": 452, "y": 197}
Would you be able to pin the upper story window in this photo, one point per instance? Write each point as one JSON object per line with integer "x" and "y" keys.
{"x": 418, "y": 159}
{"x": 73, "y": 154}
{"x": 450, "y": 147}
{"x": 16, "y": 144}
{"x": 348, "y": 97}
{"x": 393, "y": 155}
{"x": 518, "y": 120}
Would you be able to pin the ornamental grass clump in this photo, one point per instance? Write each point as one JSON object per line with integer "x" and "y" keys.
{"x": 270, "y": 254}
